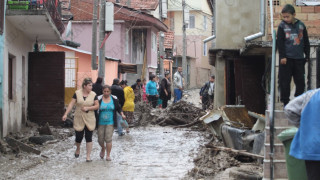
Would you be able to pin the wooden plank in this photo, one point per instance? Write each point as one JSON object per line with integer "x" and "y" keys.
{"x": 240, "y": 152}
{"x": 15, "y": 143}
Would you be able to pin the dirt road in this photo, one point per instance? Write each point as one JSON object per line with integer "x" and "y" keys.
{"x": 146, "y": 153}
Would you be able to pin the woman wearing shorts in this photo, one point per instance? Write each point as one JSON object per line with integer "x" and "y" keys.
{"x": 109, "y": 106}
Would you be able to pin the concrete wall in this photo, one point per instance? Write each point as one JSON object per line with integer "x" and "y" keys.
{"x": 17, "y": 45}
{"x": 1, "y": 75}
{"x": 235, "y": 20}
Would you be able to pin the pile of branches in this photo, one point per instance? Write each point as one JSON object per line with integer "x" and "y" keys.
{"x": 181, "y": 114}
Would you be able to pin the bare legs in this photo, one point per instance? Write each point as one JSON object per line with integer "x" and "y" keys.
{"x": 89, "y": 149}
{"x": 109, "y": 146}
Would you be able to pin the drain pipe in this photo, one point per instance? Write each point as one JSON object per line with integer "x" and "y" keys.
{"x": 214, "y": 23}
{"x": 262, "y": 23}
{"x": 272, "y": 94}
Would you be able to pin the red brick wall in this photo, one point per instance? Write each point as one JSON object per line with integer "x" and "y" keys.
{"x": 82, "y": 10}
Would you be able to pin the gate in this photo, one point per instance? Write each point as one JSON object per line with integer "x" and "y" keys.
{"x": 46, "y": 87}
{"x": 71, "y": 79}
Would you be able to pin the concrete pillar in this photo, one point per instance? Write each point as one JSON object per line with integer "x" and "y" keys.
{"x": 220, "y": 83}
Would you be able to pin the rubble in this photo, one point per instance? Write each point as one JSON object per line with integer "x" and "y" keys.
{"x": 180, "y": 113}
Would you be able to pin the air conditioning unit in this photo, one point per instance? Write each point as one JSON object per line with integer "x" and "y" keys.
{"x": 186, "y": 16}
{"x": 164, "y": 9}
{"x": 109, "y": 17}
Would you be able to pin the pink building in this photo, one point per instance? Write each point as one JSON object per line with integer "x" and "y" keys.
{"x": 133, "y": 41}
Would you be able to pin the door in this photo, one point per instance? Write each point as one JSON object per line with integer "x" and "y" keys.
{"x": 71, "y": 70}
{"x": 46, "y": 87}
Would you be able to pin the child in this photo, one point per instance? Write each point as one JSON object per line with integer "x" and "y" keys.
{"x": 293, "y": 44}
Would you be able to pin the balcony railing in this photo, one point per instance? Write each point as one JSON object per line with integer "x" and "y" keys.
{"x": 51, "y": 6}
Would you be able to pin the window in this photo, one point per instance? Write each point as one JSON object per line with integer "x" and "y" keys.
{"x": 275, "y": 2}
{"x": 153, "y": 41}
{"x": 205, "y": 50}
{"x": 11, "y": 77}
{"x": 127, "y": 41}
{"x": 192, "y": 22}
{"x": 205, "y": 26}
{"x": 300, "y": 2}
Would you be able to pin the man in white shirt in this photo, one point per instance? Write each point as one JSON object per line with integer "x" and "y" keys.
{"x": 207, "y": 93}
{"x": 178, "y": 85}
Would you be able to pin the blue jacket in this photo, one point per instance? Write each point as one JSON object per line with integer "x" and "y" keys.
{"x": 304, "y": 111}
{"x": 151, "y": 88}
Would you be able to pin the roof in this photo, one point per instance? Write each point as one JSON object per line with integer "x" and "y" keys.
{"x": 138, "y": 17}
{"x": 86, "y": 52}
{"x": 139, "y": 4}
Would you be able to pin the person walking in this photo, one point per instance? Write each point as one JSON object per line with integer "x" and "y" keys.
{"x": 152, "y": 91}
{"x": 165, "y": 90}
{"x": 97, "y": 86}
{"x": 137, "y": 90}
{"x": 303, "y": 112}
{"x": 294, "y": 51}
{"x": 116, "y": 90}
{"x": 207, "y": 93}
{"x": 128, "y": 107}
{"x": 109, "y": 107}
{"x": 178, "y": 85}
{"x": 144, "y": 94}
{"x": 84, "y": 118}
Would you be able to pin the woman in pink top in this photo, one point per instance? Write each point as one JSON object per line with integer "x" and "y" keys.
{"x": 144, "y": 94}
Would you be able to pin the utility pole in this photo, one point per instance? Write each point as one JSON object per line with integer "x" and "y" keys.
{"x": 102, "y": 60}
{"x": 184, "y": 46}
{"x": 161, "y": 53}
{"x": 94, "y": 36}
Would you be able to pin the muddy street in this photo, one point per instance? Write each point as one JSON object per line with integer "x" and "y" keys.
{"x": 146, "y": 153}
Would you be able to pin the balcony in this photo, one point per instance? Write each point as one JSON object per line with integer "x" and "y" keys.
{"x": 36, "y": 19}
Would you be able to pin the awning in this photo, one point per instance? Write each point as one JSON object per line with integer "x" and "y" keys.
{"x": 127, "y": 68}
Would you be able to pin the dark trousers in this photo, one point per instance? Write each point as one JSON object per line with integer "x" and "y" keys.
{"x": 165, "y": 102}
{"x": 313, "y": 169}
{"x": 88, "y": 135}
{"x": 294, "y": 68}
{"x": 153, "y": 100}
{"x": 207, "y": 101}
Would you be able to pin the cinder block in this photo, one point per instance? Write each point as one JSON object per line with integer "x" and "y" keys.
{"x": 277, "y": 131}
{"x": 302, "y": 16}
{"x": 280, "y": 119}
{"x": 317, "y": 9}
{"x": 278, "y": 152}
{"x": 280, "y": 169}
{"x": 313, "y": 16}
{"x": 307, "y": 9}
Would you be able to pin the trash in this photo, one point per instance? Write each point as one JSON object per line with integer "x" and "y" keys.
{"x": 41, "y": 139}
{"x": 45, "y": 130}
{"x": 17, "y": 144}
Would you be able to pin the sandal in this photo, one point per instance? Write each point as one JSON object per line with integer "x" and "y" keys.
{"x": 102, "y": 154}
{"x": 76, "y": 155}
{"x": 108, "y": 159}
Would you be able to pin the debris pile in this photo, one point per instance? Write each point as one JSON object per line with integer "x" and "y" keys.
{"x": 178, "y": 114}
{"x": 210, "y": 161}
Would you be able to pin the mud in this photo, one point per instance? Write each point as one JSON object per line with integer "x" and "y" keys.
{"x": 151, "y": 152}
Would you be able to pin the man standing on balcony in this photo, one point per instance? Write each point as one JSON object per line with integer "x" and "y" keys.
{"x": 178, "y": 85}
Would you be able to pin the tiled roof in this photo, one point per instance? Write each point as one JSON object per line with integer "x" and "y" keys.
{"x": 139, "y": 4}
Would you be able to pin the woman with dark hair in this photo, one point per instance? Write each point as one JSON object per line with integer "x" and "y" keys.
{"x": 128, "y": 107}
{"x": 109, "y": 106}
{"x": 97, "y": 86}
{"x": 165, "y": 90}
{"x": 86, "y": 102}
{"x": 151, "y": 91}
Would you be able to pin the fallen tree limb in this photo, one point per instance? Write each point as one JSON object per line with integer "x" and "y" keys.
{"x": 240, "y": 152}
{"x": 188, "y": 125}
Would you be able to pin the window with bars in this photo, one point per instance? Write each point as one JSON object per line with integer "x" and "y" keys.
{"x": 192, "y": 22}
{"x": 275, "y": 2}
